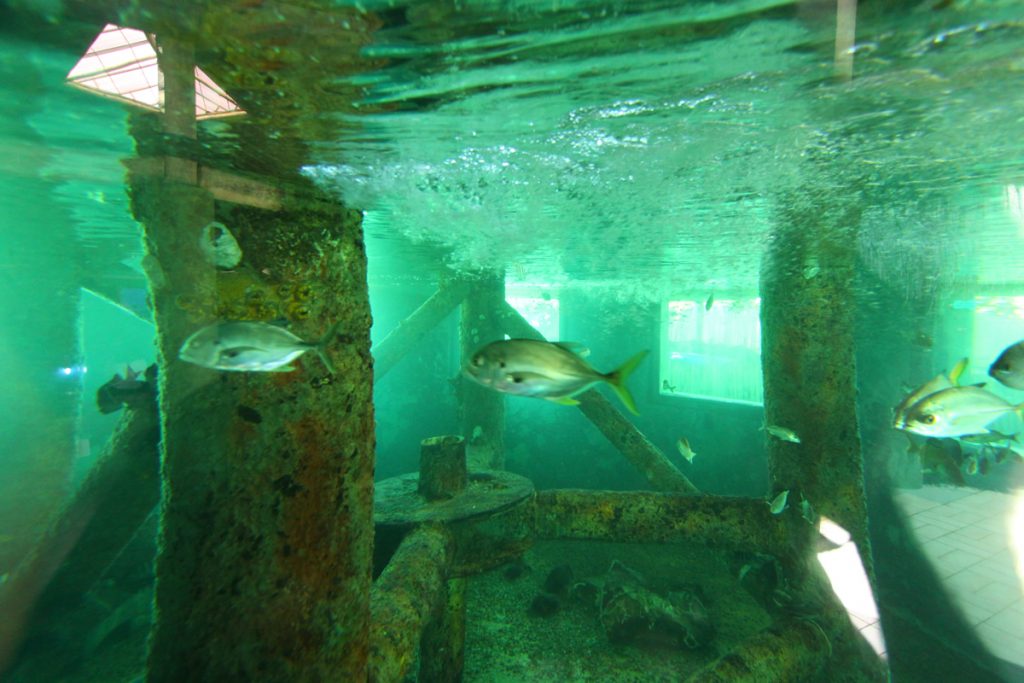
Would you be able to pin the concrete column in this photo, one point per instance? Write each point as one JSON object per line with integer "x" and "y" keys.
{"x": 483, "y": 410}
{"x": 807, "y": 328}
{"x": 263, "y": 567}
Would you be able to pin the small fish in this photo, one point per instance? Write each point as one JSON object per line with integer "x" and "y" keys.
{"x": 778, "y": 503}
{"x": 782, "y": 433}
{"x": 1008, "y": 368}
{"x": 683, "y": 446}
{"x": 554, "y": 371}
{"x": 709, "y": 302}
{"x": 246, "y": 346}
{"x": 957, "y": 411}
{"x": 806, "y": 511}
{"x": 128, "y": 390}
{"x": 938, "y": 383}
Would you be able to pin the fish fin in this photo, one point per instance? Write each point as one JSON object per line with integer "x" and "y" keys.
{"x": 563, "y": 400}
{"x": 321, "y": 346}
{"x": 957, "y": 371}
{"x": 574, "y": 347}
{"x": 287, "y": 367}
{"x": 617, "y": 379}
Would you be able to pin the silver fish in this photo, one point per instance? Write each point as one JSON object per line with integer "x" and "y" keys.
{"x": 683, "y": 446}
{"x": 1008, "y": 369}
{"x": 782, "y": 433}
{"x": 778, "y": 503}
{"x": 938, "y": 383}
{"x": 957, "y": 411}
{"x": 550, "y": 370}
{"x": 247, "y": 346}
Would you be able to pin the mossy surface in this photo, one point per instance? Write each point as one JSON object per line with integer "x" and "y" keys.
{"x": 505, "y": 644}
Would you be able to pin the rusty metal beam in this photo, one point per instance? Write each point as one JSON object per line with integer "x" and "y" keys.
{"x": 403, "y": 599}
{"x": 788, "y": 650}
{"x": 656, "y": 517}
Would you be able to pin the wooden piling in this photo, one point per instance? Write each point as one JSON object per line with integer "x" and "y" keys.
{"x": 264, "y": 557}
{"x": 481, "y": 410}
{"x": 807, "y": 328}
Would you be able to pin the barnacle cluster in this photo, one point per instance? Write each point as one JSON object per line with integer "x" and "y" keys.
{"x": 243, "y": 295}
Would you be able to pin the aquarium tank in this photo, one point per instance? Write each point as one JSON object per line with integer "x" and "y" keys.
{"x": 511, "y": 341}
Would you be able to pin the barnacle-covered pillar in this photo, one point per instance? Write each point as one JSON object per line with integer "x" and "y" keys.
{"x": 483, "y": 410}
{"x": 807, "y": 323}
{"x": 263, "y": 567}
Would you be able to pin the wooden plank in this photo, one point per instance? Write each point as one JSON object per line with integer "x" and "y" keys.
{"x": 407, "y": 334}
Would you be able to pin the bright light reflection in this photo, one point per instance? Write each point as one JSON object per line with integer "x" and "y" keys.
{"x": 850, "y": 583}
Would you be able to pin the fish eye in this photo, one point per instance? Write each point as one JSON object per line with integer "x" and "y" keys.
{"x": 517, "y": 379}
{"x": 928, "y": 419}
{"x": 501, "y": 363}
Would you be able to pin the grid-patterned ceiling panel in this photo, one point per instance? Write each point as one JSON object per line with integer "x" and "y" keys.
{"x": 122, "y": 63}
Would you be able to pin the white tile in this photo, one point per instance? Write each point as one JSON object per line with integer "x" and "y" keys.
{"x": 1002, "y": 644}
{"x": 1010, "y": 620}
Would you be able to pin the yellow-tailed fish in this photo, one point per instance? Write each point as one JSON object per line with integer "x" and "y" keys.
{"x": 957, "y": 411}
{"x": 938, "y": 383}
{"x": 683, "y": 446}
{"x": 554, "y": 371}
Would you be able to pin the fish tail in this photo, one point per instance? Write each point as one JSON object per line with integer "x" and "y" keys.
{"x": 321, "y": 346}
{"x": 617, "y": 379}
{"x": 958, "y": 369}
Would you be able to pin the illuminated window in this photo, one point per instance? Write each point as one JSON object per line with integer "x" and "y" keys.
{"x": 121, "y": 64}
{"x": 537, "y": 305}
{"x": 712, "y": 352}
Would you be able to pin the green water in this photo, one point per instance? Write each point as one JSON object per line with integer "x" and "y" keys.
{"x": 628, "y": 168}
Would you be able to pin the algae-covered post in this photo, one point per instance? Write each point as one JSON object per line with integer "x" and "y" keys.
{"x": 263, "y": 568}
{"x": 482, "y": 410}
{"x": 807, "y": 327}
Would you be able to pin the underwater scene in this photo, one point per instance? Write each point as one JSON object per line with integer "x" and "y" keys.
{"x": 511, "y": 341}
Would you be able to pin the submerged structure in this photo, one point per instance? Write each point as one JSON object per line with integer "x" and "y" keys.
{"x": 276, "y": 556}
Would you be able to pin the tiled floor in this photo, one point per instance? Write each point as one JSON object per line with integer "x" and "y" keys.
{"x": 966, "y": 533}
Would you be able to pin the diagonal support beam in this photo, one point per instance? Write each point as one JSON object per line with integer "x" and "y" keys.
{"x": 622, "y": 433}
{"x": 407, "y": 334}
